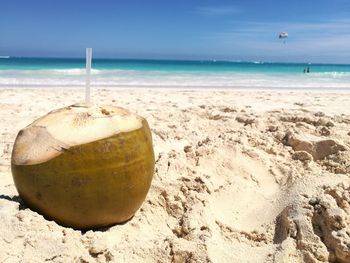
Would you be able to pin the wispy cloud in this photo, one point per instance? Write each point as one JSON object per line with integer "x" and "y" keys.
{"x": 333, "y": 27}
{"x": 316, "y": 39}
{"x": 217, "y": 10}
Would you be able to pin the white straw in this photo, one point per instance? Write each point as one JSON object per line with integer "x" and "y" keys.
{"x": 88, "y": 71}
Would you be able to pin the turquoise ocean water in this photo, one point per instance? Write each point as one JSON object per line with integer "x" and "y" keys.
{"x": 48, "y": 72}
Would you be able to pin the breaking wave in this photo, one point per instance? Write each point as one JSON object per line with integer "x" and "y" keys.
{"x": 119, "y": 78}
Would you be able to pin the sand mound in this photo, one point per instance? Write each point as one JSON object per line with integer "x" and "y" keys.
{"x": 318, "y": 147}
{"x": 319, "y": 225}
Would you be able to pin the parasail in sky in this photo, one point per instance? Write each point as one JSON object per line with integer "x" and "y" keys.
{"x": 283, "y": 35}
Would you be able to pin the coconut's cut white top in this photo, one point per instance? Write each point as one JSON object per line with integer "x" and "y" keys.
{"x": 79, "y": 124}
{"x": 70, "y": 126}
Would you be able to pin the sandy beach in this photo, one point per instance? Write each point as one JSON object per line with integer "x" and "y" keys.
{"x": 241, "y": 176}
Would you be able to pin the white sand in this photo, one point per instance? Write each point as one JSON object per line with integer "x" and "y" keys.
{"x": 241, "y": 176}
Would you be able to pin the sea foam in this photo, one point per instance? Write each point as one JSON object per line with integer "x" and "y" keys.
{"x": 118, "y": 78}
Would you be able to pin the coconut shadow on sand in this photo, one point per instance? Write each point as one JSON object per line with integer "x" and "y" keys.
{"x": 23, "y": 206}
{"x": 15, "y": 198}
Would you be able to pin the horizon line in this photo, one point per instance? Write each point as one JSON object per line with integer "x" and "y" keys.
{"x": 4, "y": 57}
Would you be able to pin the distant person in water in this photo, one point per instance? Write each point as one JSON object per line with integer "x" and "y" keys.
{"x": 307, "y": 70}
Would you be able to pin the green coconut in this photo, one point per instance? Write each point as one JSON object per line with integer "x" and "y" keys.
{"x": 84, "y": 166}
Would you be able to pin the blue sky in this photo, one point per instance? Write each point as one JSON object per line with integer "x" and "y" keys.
{"x": 319, "y": 30}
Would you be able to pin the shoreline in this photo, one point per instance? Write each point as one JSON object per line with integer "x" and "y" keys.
{"x": 178, "y": 88}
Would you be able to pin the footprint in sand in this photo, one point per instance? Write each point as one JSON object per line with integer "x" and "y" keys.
{"x": 245, "y": 192}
